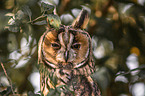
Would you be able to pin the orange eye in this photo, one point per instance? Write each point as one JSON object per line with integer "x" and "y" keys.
{"x": 55, "y": 46}
{"x": 76, "y": 46}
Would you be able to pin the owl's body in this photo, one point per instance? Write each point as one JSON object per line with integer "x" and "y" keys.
{"x": 65, "y": 58}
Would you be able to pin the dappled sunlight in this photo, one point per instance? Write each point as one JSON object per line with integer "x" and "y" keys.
{"x": 117, "y": 30}
{"x": 121, "y": 78}
{"x": 132, "y": 63}
{"x": 35, "y": 80}
{"x": 138, "y": 89}
{"x": 22, "y": 56}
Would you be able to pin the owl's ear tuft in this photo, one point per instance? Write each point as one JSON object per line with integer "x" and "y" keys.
{"x": 81, "y": 20}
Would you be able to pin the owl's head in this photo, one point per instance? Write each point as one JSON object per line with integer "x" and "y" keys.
{"x": 68, "y": 47}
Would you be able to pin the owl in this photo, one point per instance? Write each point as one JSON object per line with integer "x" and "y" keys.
{"x": 65, "y": 59}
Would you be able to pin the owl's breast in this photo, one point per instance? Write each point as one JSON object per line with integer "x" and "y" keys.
{"x": 66, "y": 75}
{"x": 80, "y": 84}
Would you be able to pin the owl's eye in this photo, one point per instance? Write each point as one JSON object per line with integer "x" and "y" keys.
{"x": 55, "y": 46}
{"x": 76, "y": 46}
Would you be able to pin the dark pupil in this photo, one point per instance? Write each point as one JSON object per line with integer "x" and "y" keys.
{"x": 55, "y": 45}
{"x": 76, "y": 46}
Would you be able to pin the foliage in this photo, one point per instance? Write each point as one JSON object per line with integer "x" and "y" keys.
{"x": 117, "y": 28}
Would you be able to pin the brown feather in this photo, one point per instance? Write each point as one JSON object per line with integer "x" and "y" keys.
{"x": 82, "y": 20}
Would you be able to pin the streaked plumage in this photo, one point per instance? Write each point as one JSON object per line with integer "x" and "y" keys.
{"x": 65, "y": 55}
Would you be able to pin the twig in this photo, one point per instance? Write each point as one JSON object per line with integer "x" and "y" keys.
{"x": 8, "y": 78}
{"x": 36, "y": 19}
{"x": 125, "y": 73}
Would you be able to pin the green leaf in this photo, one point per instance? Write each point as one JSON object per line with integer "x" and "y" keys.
{"x": 43, "y": 22}
{"x": 46, "y": 8}
{"x": 27, "y": 11}
{"x": 19, "y": 15}
{"x": 15, "y": 22}
{"x": 14, "y": 28}
{"x": 54, "y": 21}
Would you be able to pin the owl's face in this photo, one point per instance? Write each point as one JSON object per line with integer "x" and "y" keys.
{"x": 66, "y": 48}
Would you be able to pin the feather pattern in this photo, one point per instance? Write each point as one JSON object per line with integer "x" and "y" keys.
{"x": 65, "y": 59}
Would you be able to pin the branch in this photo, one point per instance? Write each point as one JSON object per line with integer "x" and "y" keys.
{"x": 125, "y": 73}
{"x": 42, "y": 16}
{"x": 8, "y": 78}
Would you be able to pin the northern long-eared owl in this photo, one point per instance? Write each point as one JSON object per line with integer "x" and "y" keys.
{"x": 65, "y": 58}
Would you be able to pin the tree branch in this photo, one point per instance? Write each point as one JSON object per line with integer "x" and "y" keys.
{"x": 125, "y": 73}
{"x": 8, "y": 78}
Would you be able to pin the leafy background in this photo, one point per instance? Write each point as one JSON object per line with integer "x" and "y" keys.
{"x": 117, "y": 28}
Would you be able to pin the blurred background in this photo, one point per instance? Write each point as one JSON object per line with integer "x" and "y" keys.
{"x": 117, "y": 28}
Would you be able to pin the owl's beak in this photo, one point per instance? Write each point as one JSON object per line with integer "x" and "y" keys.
{"x": 66, "y": 55}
